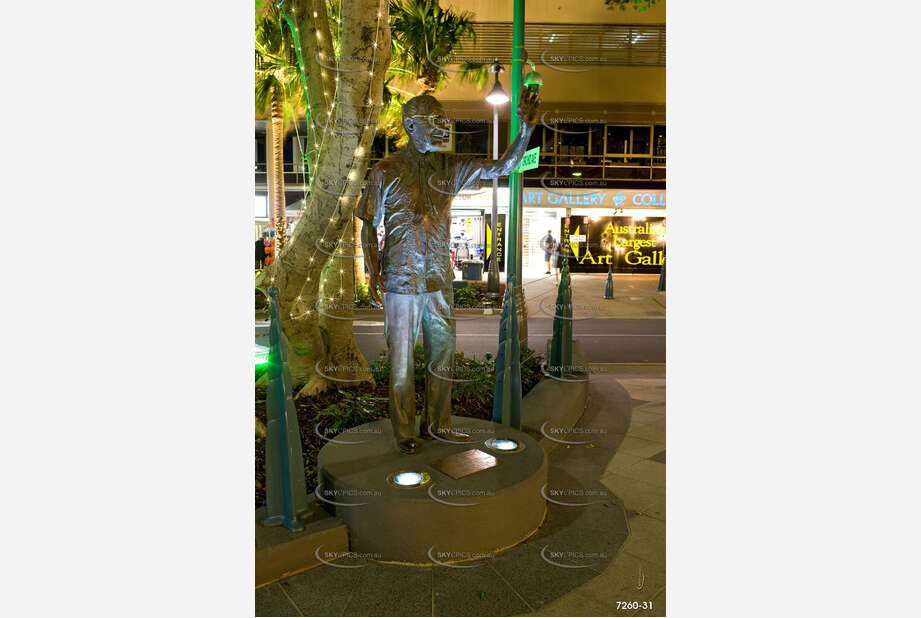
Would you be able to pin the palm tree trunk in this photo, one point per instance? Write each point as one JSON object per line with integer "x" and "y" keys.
{"x": 275, "y": 143}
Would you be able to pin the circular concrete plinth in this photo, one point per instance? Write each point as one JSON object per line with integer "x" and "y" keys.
{"x": 445, "y": 519}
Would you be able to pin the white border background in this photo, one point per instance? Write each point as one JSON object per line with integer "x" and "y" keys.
{"x": 791, "y": 366}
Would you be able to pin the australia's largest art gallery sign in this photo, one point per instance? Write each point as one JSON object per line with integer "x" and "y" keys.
{"x": 627, "y": 244}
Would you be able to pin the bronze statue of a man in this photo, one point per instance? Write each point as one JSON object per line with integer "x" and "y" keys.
{"x": 411, "y": 192}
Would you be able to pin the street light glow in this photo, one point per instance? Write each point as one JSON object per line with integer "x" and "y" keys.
{"x": 497, "y": 95}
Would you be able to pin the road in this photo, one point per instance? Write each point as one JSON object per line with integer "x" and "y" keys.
{"x": 604, "y": 340}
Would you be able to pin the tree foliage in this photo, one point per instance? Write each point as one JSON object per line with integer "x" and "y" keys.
{"x": 276, "y": 71}
{"x": 424, "y": 36}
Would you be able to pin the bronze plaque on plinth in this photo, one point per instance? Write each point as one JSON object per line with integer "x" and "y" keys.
{"x": 465, "y": 463}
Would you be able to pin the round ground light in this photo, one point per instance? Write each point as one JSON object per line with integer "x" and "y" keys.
{"x": 409, "y": 479}
{"x": 504, "y": 445}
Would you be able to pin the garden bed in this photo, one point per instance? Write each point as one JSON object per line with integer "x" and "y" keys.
{"x": 339, "y": 410}
{"x": 472, "y": 296}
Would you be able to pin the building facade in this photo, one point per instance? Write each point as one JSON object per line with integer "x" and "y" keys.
{"x": 602, "y": 132}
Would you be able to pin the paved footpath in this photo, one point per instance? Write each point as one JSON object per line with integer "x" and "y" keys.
{"x": 636, "y": 476}
{"x": 635, "y": 296}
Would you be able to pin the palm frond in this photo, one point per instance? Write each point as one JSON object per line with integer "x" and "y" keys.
{"x": 277, "y": 75}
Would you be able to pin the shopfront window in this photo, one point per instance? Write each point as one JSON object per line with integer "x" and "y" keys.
{"x": 474, "y": 138}
{"x": 658, "y": 141}
{"x": 595, "y": 159}
{"x": 658, "y": 146}
{"x": 288, "y": 153}
{"x": 620, "y": 143}
{"x": 260, "y": 154}
{"x": 382, "y": 146}
{"x": 378, "y": 147}
{"x": 628, "y": 140}
{"x": 573, "y": 149}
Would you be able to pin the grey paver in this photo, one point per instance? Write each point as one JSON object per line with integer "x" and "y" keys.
{"x": 474, "y": 592}
{"x": 271, "y": 601}
{"x": 647, "y": 539}
{"x": 323, "y": 590}
{"x": 635, "y": 494}
{"x": 391, "y": 590}
{"x": 537, "y": 581}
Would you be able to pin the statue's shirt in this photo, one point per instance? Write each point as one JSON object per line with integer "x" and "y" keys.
{"x": 412, "y": 192}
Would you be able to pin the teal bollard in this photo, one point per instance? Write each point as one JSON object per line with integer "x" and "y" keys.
{"x": 285, "y": 488}
{"x": 609, "y": 284}
{"x": 561, "y": 345}
{"x": 506, "y": 402}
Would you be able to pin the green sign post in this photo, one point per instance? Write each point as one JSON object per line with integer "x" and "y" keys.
{"x": 529, "y": 160}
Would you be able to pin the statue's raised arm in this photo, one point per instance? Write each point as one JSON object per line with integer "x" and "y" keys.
{"x": 527, "y": 115}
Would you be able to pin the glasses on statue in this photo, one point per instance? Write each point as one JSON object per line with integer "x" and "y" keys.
{"x": 435, "y": 120}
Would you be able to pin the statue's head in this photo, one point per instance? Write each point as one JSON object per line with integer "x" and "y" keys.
{"x": 424, "y": 122}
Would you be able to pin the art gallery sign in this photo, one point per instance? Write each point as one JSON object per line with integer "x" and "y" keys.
{"x": 585, "y": 196}
{"x": 581, "y": 196}
{"x": 625, "y": 243}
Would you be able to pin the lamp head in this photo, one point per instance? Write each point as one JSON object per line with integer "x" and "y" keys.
{"x": 497, "y": 96}
{"x": 533, "y": 81}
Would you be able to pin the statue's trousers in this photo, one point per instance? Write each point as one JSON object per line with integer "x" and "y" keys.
{"x": 403, "y": 314}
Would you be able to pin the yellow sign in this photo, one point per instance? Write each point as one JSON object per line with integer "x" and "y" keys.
{"x": 620, "y": 242}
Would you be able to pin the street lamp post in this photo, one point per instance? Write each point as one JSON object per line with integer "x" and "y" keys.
{"x": 496, "y": 97}
{"x": 513, "y": 225}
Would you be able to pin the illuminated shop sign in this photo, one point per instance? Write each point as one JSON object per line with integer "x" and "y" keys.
{"x": 500, "y": 242}
{"x": 544, "y": 197}
{"x": 628, "y": 244}
{"x": 649, "y": 199}
{"x": 607, "y": 198}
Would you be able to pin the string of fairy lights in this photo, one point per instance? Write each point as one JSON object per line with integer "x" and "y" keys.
{"x": 352, "y": 175}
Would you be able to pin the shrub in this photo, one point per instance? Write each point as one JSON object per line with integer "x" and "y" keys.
{"x": 380, "y": 367}
{"x": 472, "y": 395}
{"x": 463, "y": 297}
{"x": 362, "y": 296}
{"x": 352, "y": 410}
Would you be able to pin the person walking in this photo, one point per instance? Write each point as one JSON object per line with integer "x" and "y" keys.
{"x": 555, "y": 262}
{"x": 260, "y": 252}
{"x": 548, "y": 243}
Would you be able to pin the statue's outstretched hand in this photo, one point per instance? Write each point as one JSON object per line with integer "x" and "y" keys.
{"x": 527, "y": 107}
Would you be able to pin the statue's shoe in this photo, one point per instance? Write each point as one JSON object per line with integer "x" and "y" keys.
{"x": 408, "y": 446}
